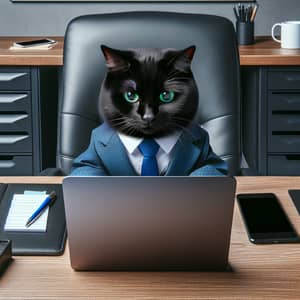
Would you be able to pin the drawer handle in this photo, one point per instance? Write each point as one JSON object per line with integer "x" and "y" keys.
{"x": 11, "y": 76}
{"x": 293, "y": 78}
{"x": 10, "y": 119}
{"x": 293, "y": 157}
{"x": 286, "y": 93}
{"x": 11, "y": 98}
{"x": 12, "y": 139}
{"x": 7, "y": 164}
{"x": 285, "y": 112}
{"x": 285, "y": 132}
{"x": 6, "y": 161}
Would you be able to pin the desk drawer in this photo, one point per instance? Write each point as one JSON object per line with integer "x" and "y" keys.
{"x": 15, "y": 122}
{"x": 284, "y": 102}
{"x": 284, "y": 80}
{"x": 14, "y": 79}
{"x": 15, "y": 165}
{"x": 284, "y": 123}
{"x": 15, "y": 102}
{"x": 286, "y": 165}
{"x": 284, "y": 141}
{"x": 15, "y": 142}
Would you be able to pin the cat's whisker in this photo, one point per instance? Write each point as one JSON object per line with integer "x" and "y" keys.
{"x": 119, "y": 122}
{"x": 181, "y": 121}
{"x": 180, "y": 118}
{"x": 177, "y": 79}
{"x": 172, "y": 73}
{"x": 117, "y": 119}
{"x": 178, "y": 125}
{"x": 132, "y": 130}
{"x": 185, "y": 129}
{"x": 128, "y": 128}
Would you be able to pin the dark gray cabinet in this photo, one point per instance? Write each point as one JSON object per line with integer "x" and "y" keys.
{"x": 24, "y": 136}
{"x": 271, "y": 119}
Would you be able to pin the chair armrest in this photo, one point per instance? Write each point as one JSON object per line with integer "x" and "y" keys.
{"x": 249, "y": 172}
{"x": 52, "y": 172}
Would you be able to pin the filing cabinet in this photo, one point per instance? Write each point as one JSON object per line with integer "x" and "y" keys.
{"x": 22, "y": 132}
{"x": 283, "y": 127}
{"x": 271, "y": 113}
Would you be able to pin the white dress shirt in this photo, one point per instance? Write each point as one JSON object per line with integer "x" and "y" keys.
{"x": 163, "y": 156}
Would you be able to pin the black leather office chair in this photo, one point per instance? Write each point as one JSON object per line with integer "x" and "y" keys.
{"x": 215, "y": 67}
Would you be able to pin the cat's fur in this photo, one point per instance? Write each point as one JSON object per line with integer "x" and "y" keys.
{"x": 148, "y": 72}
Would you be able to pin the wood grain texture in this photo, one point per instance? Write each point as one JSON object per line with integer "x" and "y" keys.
{"x": 259, "y": 271}
{"x": 264, "y": 52}
{"x": 267, "y": 52}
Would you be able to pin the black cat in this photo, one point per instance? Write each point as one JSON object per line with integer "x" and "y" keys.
{"x": 149, "y": 96}
{"x": 148, "y": 92}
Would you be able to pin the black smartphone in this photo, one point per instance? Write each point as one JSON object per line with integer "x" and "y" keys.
{"x": 34, "y": 43}
{"x": 265, "y": 220}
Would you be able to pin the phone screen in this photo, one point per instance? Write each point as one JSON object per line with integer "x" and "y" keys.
{"x": 36, "y": 42}
{"x": 265, "y": 219}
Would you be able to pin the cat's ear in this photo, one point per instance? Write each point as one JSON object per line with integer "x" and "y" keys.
{"x": 182, "y": 59}
{"x": 116, "y": 60}
{"x": 189, "y": 52}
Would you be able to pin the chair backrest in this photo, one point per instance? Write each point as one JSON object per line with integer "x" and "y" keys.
{"x": 215, "y": 67}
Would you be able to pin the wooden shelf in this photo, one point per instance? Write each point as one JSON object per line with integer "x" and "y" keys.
{"x": 265, "y": 52}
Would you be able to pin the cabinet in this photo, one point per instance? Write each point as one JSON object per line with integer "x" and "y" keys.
{"x": 23, "y": 131}
{"x": 283, "y": 127}
{"x": 271, "y": 111}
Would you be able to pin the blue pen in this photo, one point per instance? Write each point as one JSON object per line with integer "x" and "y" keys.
{"x": 47, "y": 202}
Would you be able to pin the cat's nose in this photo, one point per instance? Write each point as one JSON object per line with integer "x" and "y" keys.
{"x": 148, "y": 115}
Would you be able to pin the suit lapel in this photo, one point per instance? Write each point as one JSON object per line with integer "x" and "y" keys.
{"x": 185, "y": 155}
{"x": 113, "y": 154}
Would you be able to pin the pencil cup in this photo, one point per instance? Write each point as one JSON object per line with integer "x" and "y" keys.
{"x": 245, "y": 33}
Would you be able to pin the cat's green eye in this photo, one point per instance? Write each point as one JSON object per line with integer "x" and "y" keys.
{"x": 167, "y": 97}
{"x": 131, "y": 97}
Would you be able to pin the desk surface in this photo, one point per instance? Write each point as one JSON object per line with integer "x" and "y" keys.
{"x": 264, "y": 52}
{"x": 259, "y": 271}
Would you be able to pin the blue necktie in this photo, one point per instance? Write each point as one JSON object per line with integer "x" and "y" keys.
{"x": 149, "y": 149}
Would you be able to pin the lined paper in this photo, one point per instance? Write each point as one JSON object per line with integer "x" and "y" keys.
{"x": 21, "y": 208}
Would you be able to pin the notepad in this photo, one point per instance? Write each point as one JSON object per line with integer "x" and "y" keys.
{"x": 21, "y": 208}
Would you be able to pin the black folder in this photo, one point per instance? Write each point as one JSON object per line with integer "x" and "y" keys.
{"x": 51, "y": 242}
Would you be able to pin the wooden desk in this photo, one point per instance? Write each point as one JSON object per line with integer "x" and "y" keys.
{"x": 259, "y": 271}
{"x": 264, "y": 52}
{"x": 52, "y": 57}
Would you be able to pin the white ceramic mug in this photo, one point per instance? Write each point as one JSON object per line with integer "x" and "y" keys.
{"x": 290, "y": 34}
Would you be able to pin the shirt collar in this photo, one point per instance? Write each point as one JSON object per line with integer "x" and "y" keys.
{"x": 130, "y": 142}
{"x": 166, "y": 143}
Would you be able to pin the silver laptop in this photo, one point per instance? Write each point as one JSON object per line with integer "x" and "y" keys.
{"x": 149, "y": 223}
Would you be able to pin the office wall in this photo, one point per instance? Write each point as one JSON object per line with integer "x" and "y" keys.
{"x": 51, "y": 19}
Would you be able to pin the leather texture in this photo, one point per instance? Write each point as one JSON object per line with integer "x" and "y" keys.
{"x": 215, "y": 67}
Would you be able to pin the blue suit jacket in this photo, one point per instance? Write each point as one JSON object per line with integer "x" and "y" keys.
{"x": 107, "y": 156}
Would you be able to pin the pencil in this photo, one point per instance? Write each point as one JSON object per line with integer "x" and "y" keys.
{"x": 236, "y": 14}
{"x": 254, "y": 13}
